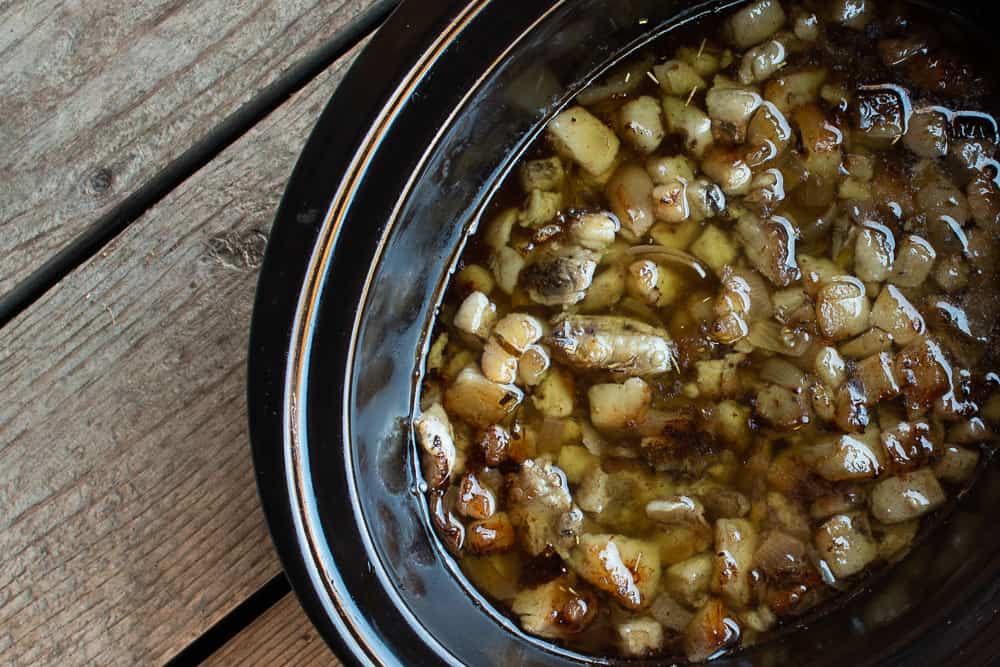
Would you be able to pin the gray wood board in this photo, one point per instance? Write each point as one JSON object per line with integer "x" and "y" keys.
{"x": 129, "y": 519}
{"x": 282, "y": 636}
{"x": 98, "y": 97}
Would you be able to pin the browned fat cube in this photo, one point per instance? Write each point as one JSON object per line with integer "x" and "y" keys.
{"x": 882, "y": 113}
{"x": 922, "y": 370}
{"x": 909, "y": 445}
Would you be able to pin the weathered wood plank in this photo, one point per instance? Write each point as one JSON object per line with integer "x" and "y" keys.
{"x": 97, "y": 97}
{"x": 129, "y": 521}
{"x": 283, "y": 636}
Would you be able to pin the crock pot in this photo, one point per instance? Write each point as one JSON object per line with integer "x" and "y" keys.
{"x": 393, "y": 179}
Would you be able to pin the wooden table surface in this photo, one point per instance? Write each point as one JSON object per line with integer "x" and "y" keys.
{"x": 144, "y": 145}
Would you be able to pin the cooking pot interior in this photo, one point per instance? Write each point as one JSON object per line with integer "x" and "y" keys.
{"x": 505, "y": 72}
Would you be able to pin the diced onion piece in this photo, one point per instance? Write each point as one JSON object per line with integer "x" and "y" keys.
{"x": 735, "y": 544}
{"x": 555, "y": 610}
{"x": 437, "y": 443}
{"x": 822, "y": 140}
{"x": 770, "y": 128}
{"x": 983, "y": 195}
{"x": 476, "y": 316}
{"x": 690, "y": 122}
{"x": 845, "y": 545}
{"x": 957, "y": 465}
{"x": 639, "y": 637}
{"x": 627, "y": 569}
{"x": 877, "y": 378}
{"x": 823, "y": 402}
{"x": 475, "y": 278}
{"x": 539, "y": 208}
{"x": 793, "y": 89}
{"x": 677, "y": 510}
{"x": 475, "y": 499}
{"x": 499, "y": 230}
{"x": 555, "y": 394}
{"x": 688, "y": 581}
{"x": 594, "y": 230}
{"x": 731, "y": 109}
{"x": 670, "y": 202}
{"x": 782, "y": 373}
{"x": 492, "y": 535}
{"x": 495, "y": 445}
{"x": 665, "y": 170}
{"x": 715, "y": 248}
{"x": 547, "y": 175}
{"x": 580, "y": 136}
{"x": 894, "y": 313}
{"x": 871, "y": 342}
{"x": 519, "y": 330}
{"x": 732, "y": 424}
{"x": 670, "y": 613}
{"x": 606, "y": 290}
{"x": 781, "y": 408}
{"x": 706, "y": 199}
{"x": 498, "y": 364}
{"x": 767, "y": 192}
{"x": 712, "y": 630}
{"x": 851, "y": 414}
{"x": 726, "y": 167}
{"x": 906, "y": 497}
{"x": 760, "y": 62}
{"x": 772, "y": 337}
{"x": 924, "y": 374}
{"x": 927, "y": 135}
{"x": 507, "y": 264}
{"x": 475, "y": 399}
{"x": 770, "y": 247}
{"x": 847, "y": 457}
{"x": 842, "y": 309}
{"x": 754, "y": 23}
{"x": 706, "y": 61}
{"x": 874, "y": 253}
{"x": 678, "y": 78}
{"x": 533, "y": 365}
{"x": 882, "y": 114}
{"x": 653, "y": 284}
{"x": 642, "y": 123}
{"x": 614, "y": 407}
{"x": 830, "y": 367}
{"x": 909, "y": 444}
{"x": 792, "y": 306}
{"x": 630, "y": 192}
{"x": 816, "y": 272}
{"x": 937, "y": 195}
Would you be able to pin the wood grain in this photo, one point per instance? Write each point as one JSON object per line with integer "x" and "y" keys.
{"x": 97, "y": 97}
{"x": 129, "y": 520}
{"x": 283, "y": 636}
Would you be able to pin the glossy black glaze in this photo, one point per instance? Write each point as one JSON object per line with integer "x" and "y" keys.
{"x": 336, "y": 344}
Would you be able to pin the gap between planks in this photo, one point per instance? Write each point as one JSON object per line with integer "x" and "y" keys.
{"x": 282, "y": 636}
{"x": 129, "y": 519}
{"x": 73, "y": 241}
